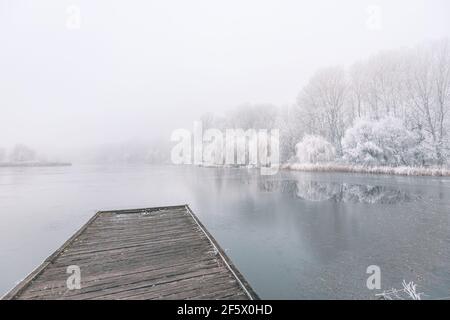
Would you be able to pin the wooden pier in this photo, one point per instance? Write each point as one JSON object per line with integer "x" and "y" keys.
{"x": 155, "y": 253}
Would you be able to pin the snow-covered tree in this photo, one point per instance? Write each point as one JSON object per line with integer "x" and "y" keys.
{"x": 382, "y": 142}
{"x": 404, "y": 95}
{"x": 314, "y": 149}
{"x": 428, "y": 87}
{"x": 322, "y": 103}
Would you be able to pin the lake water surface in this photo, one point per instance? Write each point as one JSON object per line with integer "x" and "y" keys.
{"x": 294, "y": 235}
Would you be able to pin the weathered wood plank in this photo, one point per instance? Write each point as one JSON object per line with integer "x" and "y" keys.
{"x": 149, "y": 253}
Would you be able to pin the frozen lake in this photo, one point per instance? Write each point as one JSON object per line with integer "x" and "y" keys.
{"x": 292, "y": 235}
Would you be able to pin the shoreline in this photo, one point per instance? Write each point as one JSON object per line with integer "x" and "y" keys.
{"x": 400, "y": 171}
{"x": 36, "y": 164}
{"x": 305, "y": 167}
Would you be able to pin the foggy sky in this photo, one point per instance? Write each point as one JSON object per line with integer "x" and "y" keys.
{"x": 139, "y": 69}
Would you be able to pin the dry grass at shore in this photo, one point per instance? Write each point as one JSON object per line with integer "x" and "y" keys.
{"x": 335, "y": 167}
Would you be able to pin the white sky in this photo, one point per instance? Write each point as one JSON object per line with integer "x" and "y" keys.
{"x": 143, "y": 68}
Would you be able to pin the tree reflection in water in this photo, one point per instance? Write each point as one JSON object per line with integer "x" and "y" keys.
{"x": 339, "y": 192}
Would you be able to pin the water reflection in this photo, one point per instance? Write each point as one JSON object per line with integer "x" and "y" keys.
{"x": 293, "y": 235}
{"x": 339, "y": 192}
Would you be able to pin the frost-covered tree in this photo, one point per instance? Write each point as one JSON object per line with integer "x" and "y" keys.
{"x": 382, "y": 142}
{"x": 315, "y": 149}
{"x": 357, "y": 90}
{"x": 384, "y": 84}
{"x": 428, "y": 87}
{"x": 442, "y": 90}
{"x": 322, "y": 103}
{"x": 410, "y": 86}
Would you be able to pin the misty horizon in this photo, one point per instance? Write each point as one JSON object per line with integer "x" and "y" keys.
{"x": 136, "y": 73}
{"x": 248, "y": 150}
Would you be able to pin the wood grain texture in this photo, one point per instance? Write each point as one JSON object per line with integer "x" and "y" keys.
{"x": 148, "y": 253}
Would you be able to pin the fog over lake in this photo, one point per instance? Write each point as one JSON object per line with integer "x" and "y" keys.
{"x": 96, "y": 98}
{"x": 81, "y": 74}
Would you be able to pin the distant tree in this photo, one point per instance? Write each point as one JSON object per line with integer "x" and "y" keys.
{"x": 290, "y": 132}
{"x": 22, "y": 153}
{"x": 248, "y": 117}
{"x": 315, "y": 149}
{"x": 2, "y": 154}
{"x": 253, "y": 116}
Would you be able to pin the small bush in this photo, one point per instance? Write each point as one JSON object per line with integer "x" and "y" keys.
{"x": 314, "y": 149}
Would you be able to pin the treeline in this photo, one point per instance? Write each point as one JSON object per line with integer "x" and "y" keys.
{"x": 19, "y": 153}
{"x": 129, "y": 152}
{"x": 408, "y": 90}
